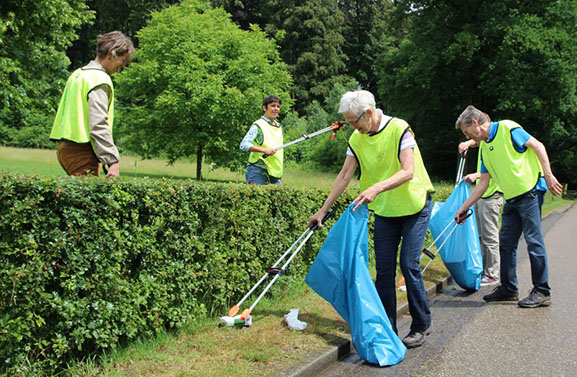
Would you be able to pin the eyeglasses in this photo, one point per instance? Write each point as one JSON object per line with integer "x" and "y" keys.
{"x": 356, "y": 121}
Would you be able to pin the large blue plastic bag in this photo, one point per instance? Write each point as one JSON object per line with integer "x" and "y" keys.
{"x": 340, "y": 275}
{"x": 461, "y": 253}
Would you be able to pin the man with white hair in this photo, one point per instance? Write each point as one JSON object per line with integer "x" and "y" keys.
{"x": 396, "y": 187}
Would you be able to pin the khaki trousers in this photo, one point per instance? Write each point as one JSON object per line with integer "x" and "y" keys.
{"x": 487, "y": 213}
{"x": 77, "y": 159}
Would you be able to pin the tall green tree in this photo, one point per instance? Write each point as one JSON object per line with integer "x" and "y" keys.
{"x": 128, "y": 16}
{"x": 34, "y": 35}
{"x": 513, "y": 59}
{"x": 196, "y": 85}
{"x": 366, "y": 22}
{"x": 312, "y": 46}
{"x": 309, "y": 34}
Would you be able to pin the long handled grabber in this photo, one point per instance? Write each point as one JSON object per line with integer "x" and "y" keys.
{"x": 461, "y": 167}
{"x": 274, "y": 270}
{"x": 333, "y": 127}
{"x": 426, "y": 251}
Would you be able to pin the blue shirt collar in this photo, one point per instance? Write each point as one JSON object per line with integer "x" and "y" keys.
{"x": 493, "y": 131}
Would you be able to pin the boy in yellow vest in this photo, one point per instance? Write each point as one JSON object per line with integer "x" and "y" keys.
{"x": 263, "y": 136}
{"x": 85, "y": 116}
{"x": 520, "y": 166}
{"x": 396, "y": 187}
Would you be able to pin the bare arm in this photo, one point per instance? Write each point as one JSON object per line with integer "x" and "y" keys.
{"x": 405, "y": 174}
{"x": 476, "y": 194}
{"x": 256, "y": 148}
{"x": 465, "y": 145}
{"x": 341, "y": 183}
{"x": 552, "y": 183}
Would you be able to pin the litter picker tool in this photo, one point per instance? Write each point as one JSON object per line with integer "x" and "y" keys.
{"x": 274, "y": 270}
{"x": 426, "y": 251}
{"x": 461, "y": 167}
{"x": 333, "y": 127}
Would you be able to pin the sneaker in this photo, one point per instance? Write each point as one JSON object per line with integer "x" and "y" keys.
{"x": 535, "y": 299}
{"x": 486, "y": 280}
{"x": 414, "y": 339}
{"x": 501, "y": 294}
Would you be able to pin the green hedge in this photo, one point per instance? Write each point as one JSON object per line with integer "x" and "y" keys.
{"x": 89, "y": 263}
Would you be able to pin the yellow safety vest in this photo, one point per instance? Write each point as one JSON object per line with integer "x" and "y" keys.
{"x": 72, "y": 118}
{"x": 493, "y": 186}
{"x": 378, "y": 157}
{"x": 272, "y": 138}
{"x": 515, "y": 172}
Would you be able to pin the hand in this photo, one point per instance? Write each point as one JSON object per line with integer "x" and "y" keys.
{"x": 113, "y": 170}
{"x": 461, "y": 215}
{"x": 366, "y": 196}
{"x": 269, "y": 151}
{"x": 463, "y": 147}
{"x": 554, "y": 186}
{"x": 471, "y": 178}
{"x": 317, "y": 218}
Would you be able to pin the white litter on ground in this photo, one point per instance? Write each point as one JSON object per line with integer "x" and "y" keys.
{"x": 293, "y": 322}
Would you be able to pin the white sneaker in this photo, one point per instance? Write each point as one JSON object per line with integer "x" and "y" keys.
{"x": 486, "y": 280}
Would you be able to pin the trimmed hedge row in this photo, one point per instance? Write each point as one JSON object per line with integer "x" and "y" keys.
{"x": 90, "y": 263}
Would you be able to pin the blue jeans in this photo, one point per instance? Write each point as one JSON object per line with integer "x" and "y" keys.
{"x": 523, "y": 215}
{"x": 388, "y": 233}
{"x": 259, "y": 176}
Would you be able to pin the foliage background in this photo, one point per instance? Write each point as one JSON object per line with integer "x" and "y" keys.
{"x": 424, "y": 60}
{"x": 196, "y": 80}
{"x": 89, "y": 264}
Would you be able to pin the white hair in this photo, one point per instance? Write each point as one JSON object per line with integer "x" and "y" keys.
{"x": 356, "y": 102}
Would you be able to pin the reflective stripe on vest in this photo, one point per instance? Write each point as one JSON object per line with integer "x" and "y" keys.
{"x": 515, "y": 172}
{"x": 272, "y": 138}
{"x": 378, "y": 157}
{"x": 72, "y": 118}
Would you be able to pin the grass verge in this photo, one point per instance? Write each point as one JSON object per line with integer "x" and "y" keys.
{"x": 43, "y": 162}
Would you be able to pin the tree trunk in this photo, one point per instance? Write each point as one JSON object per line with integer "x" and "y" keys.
{"x": 199, "y": 163}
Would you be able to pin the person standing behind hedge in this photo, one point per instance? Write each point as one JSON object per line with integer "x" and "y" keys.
{"x": 83, "y": 123}
{"x": 263, "y": 136}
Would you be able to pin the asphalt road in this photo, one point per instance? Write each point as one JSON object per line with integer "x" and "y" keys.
{"x": 473, "y": 338}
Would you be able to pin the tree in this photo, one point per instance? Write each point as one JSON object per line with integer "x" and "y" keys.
{"x": 309, "y": 34}
{"x": 312, "y": 46}
{"x": 365, "y": 24}
{"x": 512, "y": 59}
{"x": 33, "y": 66}
{"x": 128, "y": 16}
{"x": 196, "y": 85}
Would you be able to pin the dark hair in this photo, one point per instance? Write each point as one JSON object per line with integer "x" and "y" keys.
{"x": 114, "y": 43}
{"x": 270, "y": 99}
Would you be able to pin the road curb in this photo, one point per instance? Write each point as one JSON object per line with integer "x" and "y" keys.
{"x": 319, "y": 360}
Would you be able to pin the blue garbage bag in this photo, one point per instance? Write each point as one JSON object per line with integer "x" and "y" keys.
{"x": 461, "y": 253}
{"x": 340, "y": 275}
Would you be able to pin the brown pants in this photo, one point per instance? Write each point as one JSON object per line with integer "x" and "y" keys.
{"x": 77, "y": 159}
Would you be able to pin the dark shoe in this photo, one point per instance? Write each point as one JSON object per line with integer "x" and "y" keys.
{"x": 535, "y": 299}
{"x": 414, "y": 339}
{"x": 501, "y": 294}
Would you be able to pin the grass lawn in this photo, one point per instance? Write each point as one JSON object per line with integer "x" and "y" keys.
{"x": 204, "y": 348}
{"x": 43, "y": 162}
